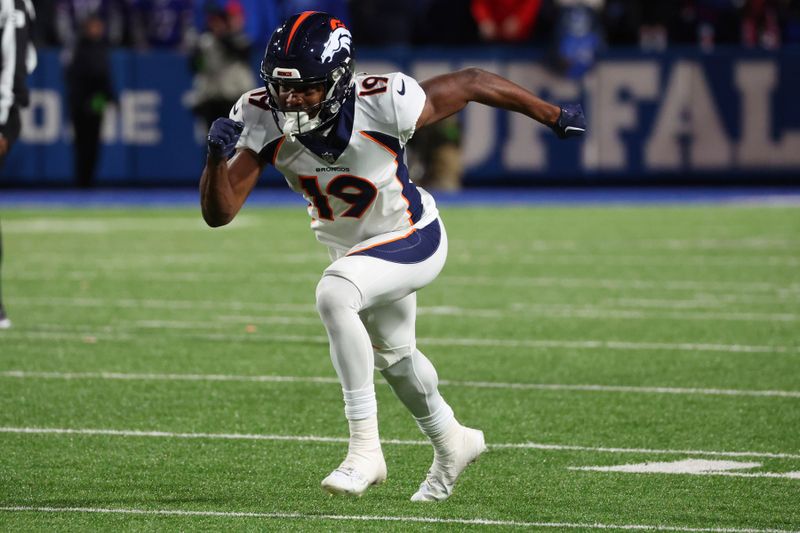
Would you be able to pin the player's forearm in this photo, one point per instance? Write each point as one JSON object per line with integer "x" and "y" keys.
{"x": 217, "y": 199}
{"x": 450, "y": 93}
{"x": 490, "y": 89}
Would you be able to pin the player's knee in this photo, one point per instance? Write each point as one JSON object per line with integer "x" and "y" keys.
{"x": 336, "y": 295}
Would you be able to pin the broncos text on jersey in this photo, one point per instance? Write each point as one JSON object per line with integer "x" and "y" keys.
{"x": 354, "y": 174}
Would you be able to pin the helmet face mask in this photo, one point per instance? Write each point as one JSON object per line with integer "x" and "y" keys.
{"x": 311, "y": 48}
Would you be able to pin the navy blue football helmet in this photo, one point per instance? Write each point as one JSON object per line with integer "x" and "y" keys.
{"x": 310, "y": 48}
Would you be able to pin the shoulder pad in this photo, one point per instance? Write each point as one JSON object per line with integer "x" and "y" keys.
{"x": 260, "y": 128}
{"x": 391, "y": 103}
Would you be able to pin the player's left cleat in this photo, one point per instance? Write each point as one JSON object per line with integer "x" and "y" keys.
{"x": 571, "y": 122}
{"x": 461, "y": 450}
{"x": 355, "y": 475}
{"x": 5, "y": 323}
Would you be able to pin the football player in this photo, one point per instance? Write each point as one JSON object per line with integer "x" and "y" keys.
{"x": 17, "y": 60}
{"x": 339, "y": 140}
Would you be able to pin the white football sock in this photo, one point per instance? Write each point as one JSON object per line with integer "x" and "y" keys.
{"x": 364, "y": 439}
{"x": 360, "y": 404}
{"x": 440, "y": 426}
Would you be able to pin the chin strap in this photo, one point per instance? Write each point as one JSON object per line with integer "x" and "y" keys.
{"x": 297, "y": 123}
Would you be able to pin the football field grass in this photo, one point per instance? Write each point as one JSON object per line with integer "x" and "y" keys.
{"x": 161, "y": 375}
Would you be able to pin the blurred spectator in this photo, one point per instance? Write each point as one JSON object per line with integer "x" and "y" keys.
{"x": 790, "y": 17}
{"x": 45, "y": 29}
{"x": 509, "y": 21}
{"x": 337, "y": 8}
{"x": 220, "y": 62}
{"x": 718, "y": 23}
{"x": 383, "y": 22}
{"x": 162, "y": 23}
{"x": 89, "y": 91}
{"x": 447, "y": 23}
{"x": 656, "y": 17}
{"x": 261, "y": 17}
{"x": 760, "y": 24}
{"x": 621, "y": 20}
{"x": 437, "y": 149}
{"x": 17, "y": 61}
{"x": 578, "y": 37}
{"x": 115, "y": 14}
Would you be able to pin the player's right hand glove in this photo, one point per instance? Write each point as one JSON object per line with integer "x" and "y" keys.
{"x": 223, "y": 136}
{"x": 571, "y": 122}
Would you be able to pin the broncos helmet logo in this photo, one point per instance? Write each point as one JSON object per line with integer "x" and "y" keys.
{"x": 339, "y": 39}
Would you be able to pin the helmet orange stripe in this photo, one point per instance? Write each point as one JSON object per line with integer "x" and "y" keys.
{"x": 303, "y": 16}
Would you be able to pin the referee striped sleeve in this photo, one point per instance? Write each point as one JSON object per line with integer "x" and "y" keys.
{"x": 8, "y": 58}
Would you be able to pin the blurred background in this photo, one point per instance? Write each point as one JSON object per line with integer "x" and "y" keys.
{"x": 675, "y": 91}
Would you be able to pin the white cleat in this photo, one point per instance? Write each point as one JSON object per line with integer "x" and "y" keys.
{"x": 5, "y": 323}
{"x": 355, "y": 475}
{"x": 447, "y": 466}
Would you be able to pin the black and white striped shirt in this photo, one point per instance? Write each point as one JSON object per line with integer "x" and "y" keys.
{"x": 18, "y": 56}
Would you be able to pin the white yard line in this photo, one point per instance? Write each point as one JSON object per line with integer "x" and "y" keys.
{"x": 602, "y": 259}
{"x": 690, "y": 467}
{"x": 768, "y": 475}
{"x": 617, "y": 284}
{"x": 153, "y": 303}
{"x": 603, "y": 313}
{"x": 400, "y": 442}
{"x": 23, "y": 374}
{"x": 166, "y": 377}
{"x": 493, "y": 281}
{"x": 122, "y": 263}
{"x": 103, "y": 334}
{"x": 756, "y": 243}
{"x": 112, "y": 224}
{"x": 385, "y": 518}
{"x": 554, "y": 310}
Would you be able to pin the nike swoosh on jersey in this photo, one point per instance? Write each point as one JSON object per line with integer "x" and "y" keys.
{"x": 573, "y": 128}
{"x": 402, "y": 90}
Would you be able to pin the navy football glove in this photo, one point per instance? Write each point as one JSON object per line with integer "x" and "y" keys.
{"x": 571, "y": 122}
{"x": 222, "y": 137}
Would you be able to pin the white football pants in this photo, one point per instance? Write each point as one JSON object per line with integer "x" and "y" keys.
{"x": 368, "y": 307}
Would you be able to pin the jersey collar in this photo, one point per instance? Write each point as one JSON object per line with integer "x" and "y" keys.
{"x": 329, "y": 146}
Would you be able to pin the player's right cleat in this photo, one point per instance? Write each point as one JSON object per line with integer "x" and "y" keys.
{"x": 461, "y": 450}
{"x": 5, "y": 323}
{"x": 356, "y": 474}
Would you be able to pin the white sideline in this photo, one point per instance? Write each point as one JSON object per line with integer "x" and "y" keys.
{"x": 104, "y": 334}
{"x": 24, "y": 374}
{"x": 344, "y": 440}
{"x": 387, "y": 518}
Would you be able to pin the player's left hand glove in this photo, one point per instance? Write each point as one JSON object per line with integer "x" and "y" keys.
{"x": 223, "y": 136}
{"x": 571, "y": 122}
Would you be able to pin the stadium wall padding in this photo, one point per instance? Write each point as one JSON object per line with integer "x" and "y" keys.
{"x": 730, "y": 115}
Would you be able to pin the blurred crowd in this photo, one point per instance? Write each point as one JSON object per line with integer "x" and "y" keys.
{"x": 651, "y": 24}
{"x": 220, "y": 38}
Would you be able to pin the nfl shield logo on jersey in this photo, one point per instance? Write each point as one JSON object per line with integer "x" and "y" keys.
{"x": 329, "y": 157}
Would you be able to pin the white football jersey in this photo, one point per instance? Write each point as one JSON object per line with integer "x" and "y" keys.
{"x": 355, "y": 178}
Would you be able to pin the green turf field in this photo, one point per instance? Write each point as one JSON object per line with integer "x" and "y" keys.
{"x": 161, "y": 375}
